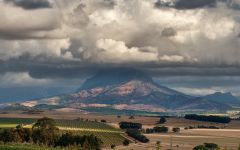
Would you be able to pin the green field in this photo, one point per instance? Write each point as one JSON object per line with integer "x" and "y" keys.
{"x": 106, "y": 133}
{"x": 24, "y": 147}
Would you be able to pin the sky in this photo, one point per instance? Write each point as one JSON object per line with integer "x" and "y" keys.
{"x": 190, "y": 45}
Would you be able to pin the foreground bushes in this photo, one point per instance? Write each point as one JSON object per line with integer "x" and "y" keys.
{"x": 45, "y": 132}
{"x": 17, "y": 135}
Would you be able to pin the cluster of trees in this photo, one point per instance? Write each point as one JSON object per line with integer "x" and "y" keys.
{"x": 210, "y": 146}
{"x": 134, "y": 130}
{"x": 86, "y": 142}
{"x": 207, "y": 146}
{"x": 204, "y": 127}
{"x": 45, "y": 132}
{"x": 136, "y": 134}
{"x": 218, "y": 119}
{"x": 162, "y": 120}
{"x": 17, "y": 135}
{"x": 176, "y": 130}
{"x": 130, "y": 125}
{"x": 161, "y": 129}
{"x": 157, "y": 129}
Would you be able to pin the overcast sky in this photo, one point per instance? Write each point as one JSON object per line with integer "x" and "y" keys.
{"x": 190, "y": 45}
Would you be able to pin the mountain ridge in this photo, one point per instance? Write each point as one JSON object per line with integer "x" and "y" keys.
{"x": 130, "y": 88}
{"x": 225, "y": 98}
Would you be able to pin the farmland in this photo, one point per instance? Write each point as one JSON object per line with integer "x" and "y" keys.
{"x": 106, "y": 133}
{"x": 228, "y": 134}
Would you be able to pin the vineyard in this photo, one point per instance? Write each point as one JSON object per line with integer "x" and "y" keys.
{"x": 107, "y": 138}
{"x": 106, "y": 133}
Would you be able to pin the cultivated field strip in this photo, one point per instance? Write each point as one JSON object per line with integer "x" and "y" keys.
{"x": 106, "y": 133}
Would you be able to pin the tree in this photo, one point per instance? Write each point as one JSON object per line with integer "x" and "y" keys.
{"x": 94, "y": 142}
{"x": 162, "y": 120}
{"x": 176, "y": 130}
{"x": 211, "y": 146}
{"x": 24, "y": 133}
{"x": 10, "y": 135}
{"x": 103, "y": 121}
{"x": 200, "y": 147}
{"x": 45, "y": 131}
{"x": 113, "y": 146}
{"x": 126, "y": 142}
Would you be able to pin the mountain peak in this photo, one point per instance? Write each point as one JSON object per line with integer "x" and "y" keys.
{"x": 115, "y": 76}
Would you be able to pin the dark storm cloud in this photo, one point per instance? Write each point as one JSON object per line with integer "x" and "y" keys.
{"x": 30, "y": 4}
{"x": 57, "y": 69}
{"x": 52, "y": 68}
{"x": 192, "y": 4}
{"x": 187, "y": 4}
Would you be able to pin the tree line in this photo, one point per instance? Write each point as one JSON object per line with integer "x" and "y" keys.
{"x": 45, "y": 132}
{"x": 218, "y": 119}
{"x": 130, "y": 125}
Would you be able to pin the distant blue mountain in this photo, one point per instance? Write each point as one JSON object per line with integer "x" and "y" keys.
{"x": 223, "y": 98}
{"x": 17, "y": 94}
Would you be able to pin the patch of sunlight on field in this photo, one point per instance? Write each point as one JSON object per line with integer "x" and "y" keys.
{"x": 14, "y": 125}
{"x": 91, "y": 130}
{"x": 8, "y": 125}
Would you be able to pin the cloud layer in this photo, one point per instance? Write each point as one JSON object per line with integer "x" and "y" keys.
{"x": 74, "y": 38}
